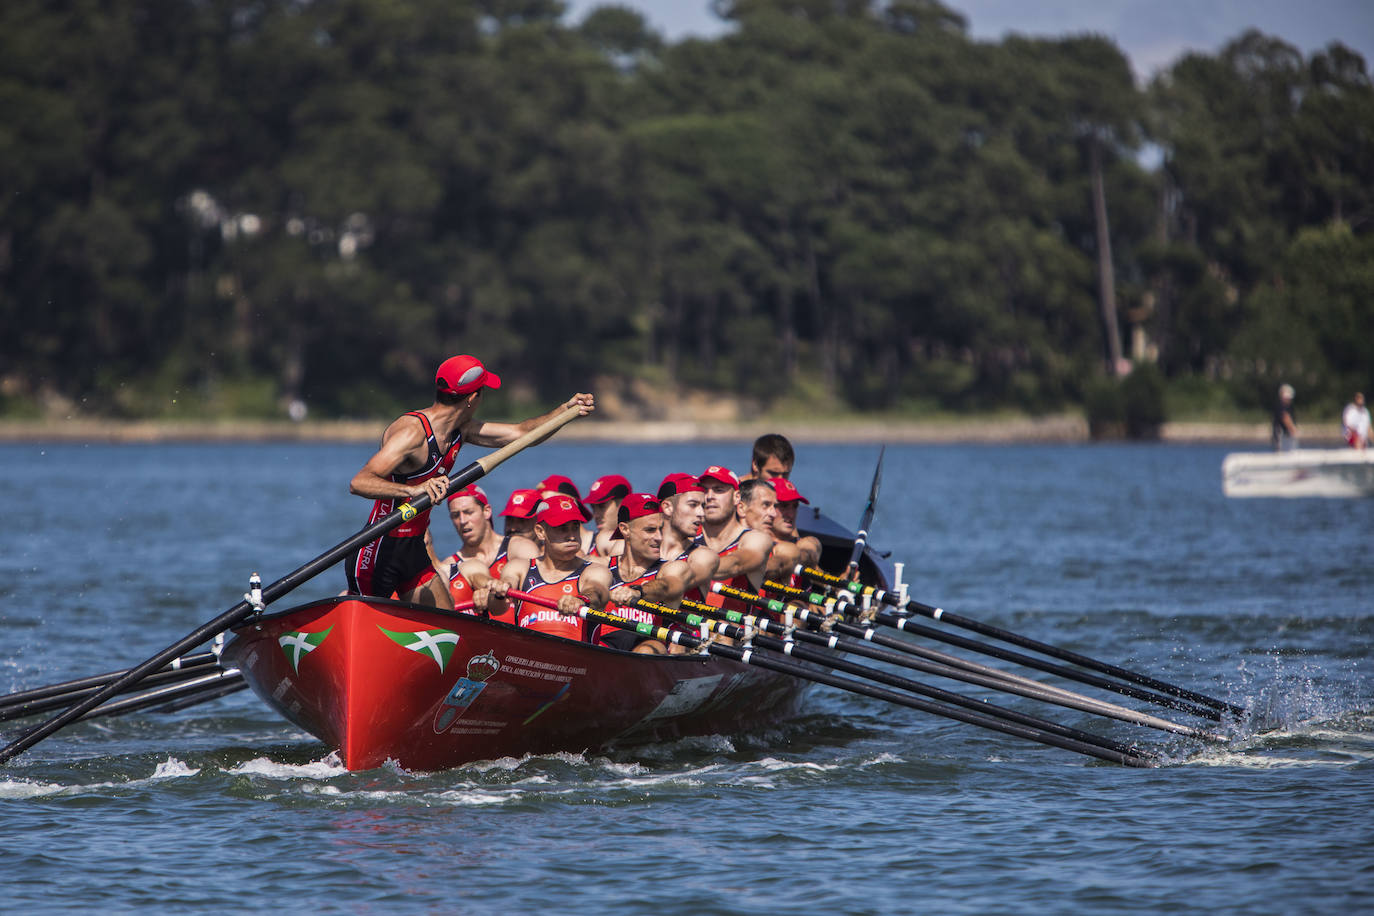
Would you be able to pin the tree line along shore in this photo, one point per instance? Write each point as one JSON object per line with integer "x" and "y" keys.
{"x": 228, "y": 208}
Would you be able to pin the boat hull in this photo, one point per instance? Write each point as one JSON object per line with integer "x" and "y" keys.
{"x": 382, "y": 680}
{"x": 1330, "y": 473}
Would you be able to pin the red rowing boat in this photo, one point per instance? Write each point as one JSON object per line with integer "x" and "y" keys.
{"x": 383, "y": 680}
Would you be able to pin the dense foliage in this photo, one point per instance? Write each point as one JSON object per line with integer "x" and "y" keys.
{"x": 225, "y": 205}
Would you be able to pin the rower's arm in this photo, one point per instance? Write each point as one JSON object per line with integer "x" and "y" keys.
{"x": 594, "y": 586}
{"x": 750, "y": 556}
{"x": 496, "y": 435}
{"x": 401, "y": 439}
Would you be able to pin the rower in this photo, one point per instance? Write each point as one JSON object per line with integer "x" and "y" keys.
{"x": 558, "y": 573}
{"x": 557, "y": 483}
{"x": 784, "y": 529}
{"x": 743, "y": 552}
{"x": 470, "y": 512}
{"x": 640, "y": 572}
{"x": 604, "y": 498}
{"x": 772, "y": 457}
{"x": 682, "y": 499}
{"x": 417, "y": 452}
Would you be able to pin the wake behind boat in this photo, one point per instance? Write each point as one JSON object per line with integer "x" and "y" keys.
{"x": 1332, "y": 473}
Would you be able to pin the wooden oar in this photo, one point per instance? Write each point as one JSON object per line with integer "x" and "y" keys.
{"x": 458, "y": 478}
{"x": 910, "y": 626}
{"x": 1025, "y": 642}
{"x": 861, "y": 537}
{"x": 756, "y": 631}
{"x": 748, "y": 655}
{"x": 858, "y": 641}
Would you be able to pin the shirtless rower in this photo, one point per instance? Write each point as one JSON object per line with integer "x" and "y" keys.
{"x": 639, "y": 571}
{"x": 743, "y": 552}
{"x": 418, "y": 450}
{"x": 604, "y": 498}
{"x": 559, "y": 573}
{"x": 470, "y": 512}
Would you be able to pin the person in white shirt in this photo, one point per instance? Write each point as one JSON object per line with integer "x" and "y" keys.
{"x": 1355, "y": 422}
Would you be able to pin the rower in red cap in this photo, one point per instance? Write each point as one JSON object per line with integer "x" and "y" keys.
{"x": 557, "y": 483}
{"x": 682, "y": 499}
{"x": 559, "y": 573}
{"x": 470, "y": 512}
{"x": 418, "y": 450}
{"x": 604, "y": 497}
{"x": 639, "y": 572}
{"x": 785, "y": 522}
{"x": 743, "y": 552}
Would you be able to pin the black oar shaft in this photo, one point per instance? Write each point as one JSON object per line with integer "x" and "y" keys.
{"x": 34, "y": 707}
{"x": 1025, "y": 642}
{"x": 458, "y": 479}
{"x": 750, "y": 656}
{"x": 870, "y": 644}
{"x": 908, "y": 625}
{"x": 832, "y": 660}
{"x": 24, "y": 697}
{"x": 861, "y": 536}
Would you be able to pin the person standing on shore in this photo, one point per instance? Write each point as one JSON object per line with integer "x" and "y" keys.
{"x": 418, "y": 450}
{"x": 1284, "y": 431}
{"x": 1355, "y": 422}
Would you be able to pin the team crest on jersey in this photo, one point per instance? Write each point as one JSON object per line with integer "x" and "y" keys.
{"x": 465, "y": 691}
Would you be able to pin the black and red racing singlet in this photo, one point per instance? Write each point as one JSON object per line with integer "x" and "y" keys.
{"x": 598, "y": 631}
{"x": 547, "y": 620}
{"x": 461, "y": 590}
{"x": 739, "y": 580}
{"x": 437, "y": 463}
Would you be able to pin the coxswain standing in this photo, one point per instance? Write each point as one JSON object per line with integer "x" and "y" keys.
{"x": 559, "y": 573}
{"x": 604, "y": 498}
{"x": 418, "y": 450}
{"x": 743, "y": 552}
{"x": 640, "y": 572}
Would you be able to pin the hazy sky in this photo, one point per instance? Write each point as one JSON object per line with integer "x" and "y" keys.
{"x": 1151, "y": 32}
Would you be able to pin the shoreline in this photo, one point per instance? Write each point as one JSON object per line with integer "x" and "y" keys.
{"x": 1063, "y": 429}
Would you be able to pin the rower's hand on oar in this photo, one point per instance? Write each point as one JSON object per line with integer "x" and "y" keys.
{"x": 626, "y": 595}
{"x": 569, "y": 605}
{"x": 435, "y": 488}
{"x": 585, "y": 403}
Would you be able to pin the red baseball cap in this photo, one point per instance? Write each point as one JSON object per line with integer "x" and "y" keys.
{"x": 610, "y": 486}
{"x": 522, "y": 504}
{"x": 472, "y": 490}
{"x": 464, "y": 375}
{"x": 787, "y": 491}
{"x": 636, "y": 505}
{"x": 558, "y": 509}
{"x": 557, "y": 483}
{"x": 724, "y": 475}
{"x": 677, "y": 483}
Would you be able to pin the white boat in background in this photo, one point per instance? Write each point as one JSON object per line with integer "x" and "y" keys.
{"x": 1336, "y": 472}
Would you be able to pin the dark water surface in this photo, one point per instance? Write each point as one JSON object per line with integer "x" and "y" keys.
{"x": 1130, "y": 554}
